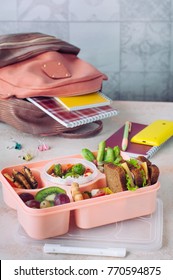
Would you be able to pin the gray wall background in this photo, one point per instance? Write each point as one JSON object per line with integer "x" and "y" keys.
{"x": 129, "y": 40}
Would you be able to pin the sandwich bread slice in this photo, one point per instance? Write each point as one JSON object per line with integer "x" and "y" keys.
{"x": 130, "y": 174}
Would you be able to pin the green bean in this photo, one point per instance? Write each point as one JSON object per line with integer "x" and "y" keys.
{"x": 109, "y": 155}
{"x": 88, "y": 155}
{"x": 116, "y": 151}
{"x": 101, "y": 151}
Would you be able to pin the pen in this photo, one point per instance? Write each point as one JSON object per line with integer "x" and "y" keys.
{"x": 127, "y": 129}
{"x": 62, "y": 249}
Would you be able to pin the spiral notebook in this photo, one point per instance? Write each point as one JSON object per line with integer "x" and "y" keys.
{"x": 133, "y": 149}
{"x": 72, "y": 118}
{"x": 80, "y": 102}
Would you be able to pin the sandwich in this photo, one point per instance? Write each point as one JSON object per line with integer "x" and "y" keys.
{"x": 131, "y": 174}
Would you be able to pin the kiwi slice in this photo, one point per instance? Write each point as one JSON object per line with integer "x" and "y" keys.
{"x": 47, "y": 192}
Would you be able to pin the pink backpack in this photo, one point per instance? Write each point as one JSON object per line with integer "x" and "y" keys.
{"x": 36, "y": 64}
{"x": 33, "y": 67}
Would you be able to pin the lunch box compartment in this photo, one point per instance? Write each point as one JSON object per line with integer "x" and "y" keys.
{"x": 9, "y": 189}
{"x": 117, "y": 207}
{"x": 82, "y": 180}
{"x": 41, "y": 224}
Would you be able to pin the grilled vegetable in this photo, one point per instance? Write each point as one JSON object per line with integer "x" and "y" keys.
{"x": 30, "y": 177}
{"x": 12, "y": 180}
{"x": 19, "y": 177}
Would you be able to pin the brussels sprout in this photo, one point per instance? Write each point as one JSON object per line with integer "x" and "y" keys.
{"x": 78, "y": 168}
{"x": 58, "y": 170}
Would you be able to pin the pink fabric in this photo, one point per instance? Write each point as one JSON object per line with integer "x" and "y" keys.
{"x": 28, "y": 78}
{"x": 21, "y": 46}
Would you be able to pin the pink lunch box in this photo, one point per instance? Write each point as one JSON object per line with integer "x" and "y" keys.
{"x": 54, "y": 221}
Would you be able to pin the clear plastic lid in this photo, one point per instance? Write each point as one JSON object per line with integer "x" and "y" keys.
{"x": 142, "y": 233}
